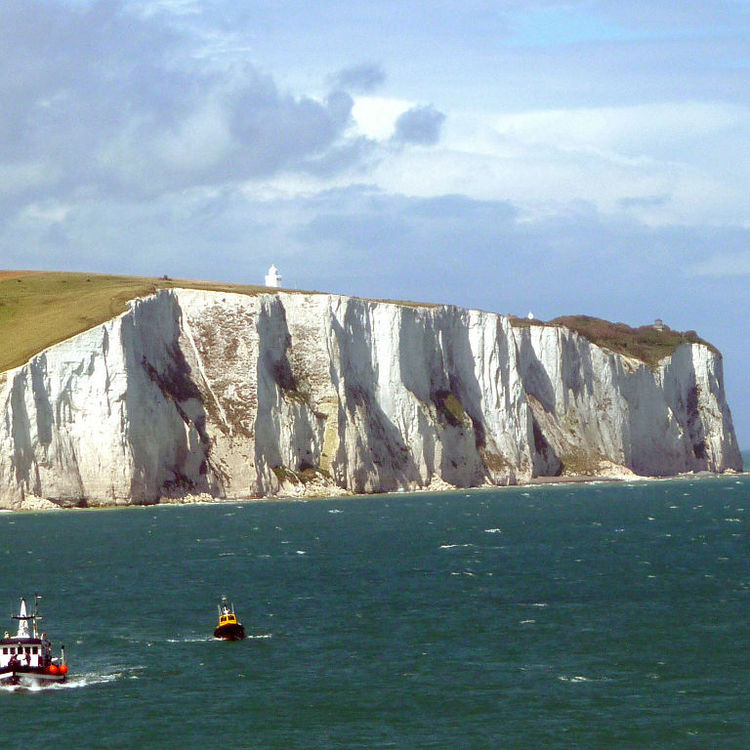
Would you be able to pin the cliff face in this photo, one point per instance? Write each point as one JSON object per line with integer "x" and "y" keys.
{"x": 194, "y": 392}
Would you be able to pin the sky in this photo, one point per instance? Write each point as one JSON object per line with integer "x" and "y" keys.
{"x": 580, "y": 157}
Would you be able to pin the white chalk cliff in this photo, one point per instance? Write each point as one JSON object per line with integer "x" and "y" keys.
{"x": 210, "y": 393}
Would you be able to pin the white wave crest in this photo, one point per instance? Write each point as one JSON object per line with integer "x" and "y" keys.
{"x": 578, "y": 678}
{"x": 85, "y": 679}
{"x": 192, "y": 639}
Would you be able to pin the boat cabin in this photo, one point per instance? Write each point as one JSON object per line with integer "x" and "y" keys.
{"x": 24, "y": 654}
{"x": 226, "y": 615}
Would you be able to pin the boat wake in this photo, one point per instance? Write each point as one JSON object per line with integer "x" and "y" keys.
{"x": 87, "y": 679}
{"x": 212, "y": 639}
{"x": 580, "y": 678}
{"x": 191, "y": 639}
{"x": 250, "y": 637}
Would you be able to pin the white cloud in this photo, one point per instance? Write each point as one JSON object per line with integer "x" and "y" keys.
{"x": 170, "y": 123}
{"x": 632, "y": 131}
{"x": 376, "y": 116}
{"x": 615, "y": 158}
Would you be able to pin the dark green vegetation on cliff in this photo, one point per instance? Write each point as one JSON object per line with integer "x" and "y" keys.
{"x": 649, "y": 344}
{"x": 40, "y": 309}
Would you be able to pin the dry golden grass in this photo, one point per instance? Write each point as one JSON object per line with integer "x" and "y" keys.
{"x": 14, "y": 274}
{"x": 40, "y": 309}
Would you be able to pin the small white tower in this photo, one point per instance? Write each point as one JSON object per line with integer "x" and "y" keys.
{"x": 273, "y": 277}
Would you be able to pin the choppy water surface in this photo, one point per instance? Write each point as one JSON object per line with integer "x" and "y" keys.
{"x": 604, "y": 615}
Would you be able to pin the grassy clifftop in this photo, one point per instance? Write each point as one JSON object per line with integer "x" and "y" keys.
{"x": 39, "y": 309}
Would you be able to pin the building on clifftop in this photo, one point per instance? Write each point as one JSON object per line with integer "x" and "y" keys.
{"x": 273, "y": 277}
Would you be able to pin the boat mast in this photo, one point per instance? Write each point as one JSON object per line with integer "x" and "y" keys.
{"x": 23, "y": 618}
{"x": 37, "y": 616}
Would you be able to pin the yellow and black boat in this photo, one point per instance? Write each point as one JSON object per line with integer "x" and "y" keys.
{"x": 229, "y": 627}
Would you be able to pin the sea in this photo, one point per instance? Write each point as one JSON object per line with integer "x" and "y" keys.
{"x": 598, "y": 615}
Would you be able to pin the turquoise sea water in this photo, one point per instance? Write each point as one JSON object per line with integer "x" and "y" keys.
{"x": 592, "y": 616}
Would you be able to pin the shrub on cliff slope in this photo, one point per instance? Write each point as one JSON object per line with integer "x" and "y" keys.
{"x": 648, "y": 344}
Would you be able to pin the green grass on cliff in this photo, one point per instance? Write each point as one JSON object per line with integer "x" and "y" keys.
{"x": 646, "y": 343}
{"x": 38, "y": 310}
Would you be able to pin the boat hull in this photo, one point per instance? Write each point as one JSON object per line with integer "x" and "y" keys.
{"x": 30, "y": 678}
{"x": 230, "y": 632}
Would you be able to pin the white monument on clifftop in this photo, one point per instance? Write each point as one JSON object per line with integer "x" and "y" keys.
{"x": 273, "y": 277}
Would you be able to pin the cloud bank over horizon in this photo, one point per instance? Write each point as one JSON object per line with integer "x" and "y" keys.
{"x": 577, "y": 157}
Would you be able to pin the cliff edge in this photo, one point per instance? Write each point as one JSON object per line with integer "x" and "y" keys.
{"x": 209, "y": 393}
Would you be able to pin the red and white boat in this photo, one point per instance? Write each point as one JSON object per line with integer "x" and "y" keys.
{"x": 26, "y": 657}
